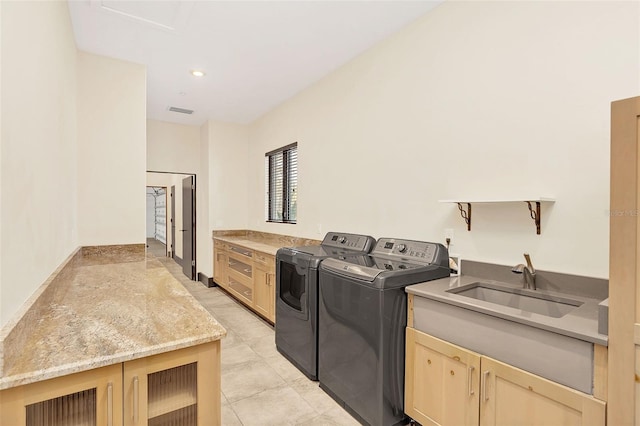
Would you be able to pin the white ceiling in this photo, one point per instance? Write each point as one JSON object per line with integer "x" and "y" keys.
{"x": 256, "y": 54}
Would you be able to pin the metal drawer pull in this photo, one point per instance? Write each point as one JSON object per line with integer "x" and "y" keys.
{"x": 110, "y": 404}
{"x": 470, "y": 379}
{"x": 135, "y": 399}
{"x": 485, "y": 379}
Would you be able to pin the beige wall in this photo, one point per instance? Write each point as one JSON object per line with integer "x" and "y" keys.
{"x": 173, "y": 147}
{"x": 73, "y": 149}
{"x": 179, "y": 148}
{"x": 475, "y": 99}
{"x": 38, "y": 168}
{"x": 217, "y": 153}
{"x": 229, "y": 185}
{"x": 203, "y": 229}
{"x": 111, "y": 151}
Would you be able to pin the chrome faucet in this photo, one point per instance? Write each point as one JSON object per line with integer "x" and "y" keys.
{"x": 529, "y": 272}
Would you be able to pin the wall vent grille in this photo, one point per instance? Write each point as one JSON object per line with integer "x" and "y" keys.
{"x": 181, "y": 110}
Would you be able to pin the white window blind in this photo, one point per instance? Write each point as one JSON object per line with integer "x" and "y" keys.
{"x": 281, "y": 182}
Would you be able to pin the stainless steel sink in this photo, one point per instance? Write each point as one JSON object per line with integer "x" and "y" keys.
{"x": 525, "y": 300}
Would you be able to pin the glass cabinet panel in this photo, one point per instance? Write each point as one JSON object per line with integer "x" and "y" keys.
{"x": 241, "y": 267}
{"x": 173, "y": 396}
{"x": 77, "y": 409}
{"x": 242, "y": 289}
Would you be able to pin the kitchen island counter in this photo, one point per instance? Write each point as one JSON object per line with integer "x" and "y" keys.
{"x": 103, "y": 306}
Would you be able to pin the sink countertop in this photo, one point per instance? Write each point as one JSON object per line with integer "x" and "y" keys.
{"x": 262, "y": 241}
{"x": 104, "y": 306}
{"x": 581, "y": 323}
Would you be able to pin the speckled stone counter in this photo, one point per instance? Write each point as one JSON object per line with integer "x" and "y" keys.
{"x": 104, "y": 306}
{"x": 261, "y": 241}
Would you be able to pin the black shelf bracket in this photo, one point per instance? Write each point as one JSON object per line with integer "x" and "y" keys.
{"x": 535, "y": 214}
{"x": 466, "y": 214}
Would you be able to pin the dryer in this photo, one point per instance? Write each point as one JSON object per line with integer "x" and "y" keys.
{"x": 296, "y": 323}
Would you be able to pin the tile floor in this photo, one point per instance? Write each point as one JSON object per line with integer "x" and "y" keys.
{"x": 259, "y": 386}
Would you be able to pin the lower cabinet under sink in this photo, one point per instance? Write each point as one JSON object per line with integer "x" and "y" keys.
{"x": 556, "y": 357}
{"x": 446, "y": 384}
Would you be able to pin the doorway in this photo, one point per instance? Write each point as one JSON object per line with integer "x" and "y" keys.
{"x": 157, "y": 220}
{"x": 180, "y": 220}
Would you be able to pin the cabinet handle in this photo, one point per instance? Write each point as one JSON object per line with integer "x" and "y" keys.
{"x": 485, "y": 379}
{"x": 135, "y": 399}
{"x": 110, "y": 404}
{"x": 470, "y": 379}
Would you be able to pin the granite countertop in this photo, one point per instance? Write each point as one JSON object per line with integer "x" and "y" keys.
{"x": 102, "y": 307}
{"x": 260, "y": 246}
{"x": 262, "y": 241}
{"x": 580, "y": 323}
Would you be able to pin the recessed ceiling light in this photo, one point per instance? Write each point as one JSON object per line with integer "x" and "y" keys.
{"x": 197, "y": 73}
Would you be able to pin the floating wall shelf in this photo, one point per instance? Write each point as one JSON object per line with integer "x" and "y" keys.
{"x": 534, "y": 211}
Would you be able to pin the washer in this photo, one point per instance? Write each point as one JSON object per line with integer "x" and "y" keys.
{"x": 362, "y": 320}
{"x": 297, "y": 295}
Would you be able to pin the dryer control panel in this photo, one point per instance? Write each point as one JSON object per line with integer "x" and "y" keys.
{"x": 349, "y": 241}
{"x": 420, "y": 251}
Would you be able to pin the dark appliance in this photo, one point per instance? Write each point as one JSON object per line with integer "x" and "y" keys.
{"x": 362, "y": 320}
{"x": 297, "y": 295}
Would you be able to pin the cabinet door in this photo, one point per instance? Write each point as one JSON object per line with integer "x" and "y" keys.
{"x": 180, "y": 387}
{"x": 261, "y": 292}
{"x": 271, "y": 279}
{"x": 513, "y": 396}
{"x": 220, "y": 267}
{"x": 90, "y": 398}
{"x": 265, "y": 302}
{"x": 442, "y": 381}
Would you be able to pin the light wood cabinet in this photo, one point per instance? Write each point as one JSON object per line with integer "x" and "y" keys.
{"x": 248, "y": 275}
{"x": 512, "y": 396}
{"x": 173, "y": 388}
{"x": 220, "y": 260}
{"x": 441, "y": 381}
{"x": 624, "y": 271}
{"x": 449, "y": 385}
{"x": 179, "y": 387}
{"x": 265, "y": 287}
{"x": 88, "y": 398}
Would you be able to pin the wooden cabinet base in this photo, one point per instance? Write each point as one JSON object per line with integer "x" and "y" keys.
{"x": 256, "y": 289}
{"x": 107, "y": 411}
{"x": 513, "y": 396}
{"x": 186, "y": 383}
{"x": 449, "y": 385}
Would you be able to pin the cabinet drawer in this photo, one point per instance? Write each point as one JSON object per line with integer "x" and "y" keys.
{"x": 247, "y": 253}
{"x": 243, "y": 289}
{"x": 240, "y": 278}
{"x": 240, "y": 265}
{"x": 264, "y": 259}
{"x": 219, "y": 245}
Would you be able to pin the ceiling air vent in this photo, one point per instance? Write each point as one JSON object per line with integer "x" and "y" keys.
{"x": 181, "y": 110}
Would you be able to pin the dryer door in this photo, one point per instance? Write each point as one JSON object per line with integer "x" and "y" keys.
{"x": 293, "y": 282}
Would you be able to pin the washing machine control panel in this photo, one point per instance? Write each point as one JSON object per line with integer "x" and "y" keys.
{"x": 348, "y": 241}
{"x": 407, "y": 249}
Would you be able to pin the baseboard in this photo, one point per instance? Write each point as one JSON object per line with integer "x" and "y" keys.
{"x": 206, "y": 280}
{"x": 178, "y": 260}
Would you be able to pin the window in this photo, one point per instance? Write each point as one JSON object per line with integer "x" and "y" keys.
{"x": 281, "y": 176}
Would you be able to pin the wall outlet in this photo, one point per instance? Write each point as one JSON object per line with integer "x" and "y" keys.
{"x": 448, "y": 233}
